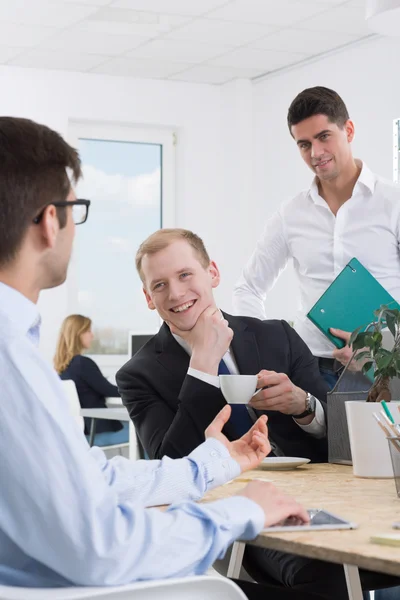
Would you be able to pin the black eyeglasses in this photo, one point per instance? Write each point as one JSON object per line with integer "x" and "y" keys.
{"x": 80, "y": 210}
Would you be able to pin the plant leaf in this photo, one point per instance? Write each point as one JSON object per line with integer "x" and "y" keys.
{"x": 355, "y": 334}
{"x": 360, "y": 341}
{"x": 361, "y": 355}
{"x": 391, "y": 323}
{"x": 367, "y": 367}
{"x": 383, "y": 360}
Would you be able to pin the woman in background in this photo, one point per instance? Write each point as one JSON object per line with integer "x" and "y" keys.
{"x": 92, "y": 387}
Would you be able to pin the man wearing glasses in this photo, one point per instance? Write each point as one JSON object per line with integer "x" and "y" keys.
{"x": 68, "y": 516}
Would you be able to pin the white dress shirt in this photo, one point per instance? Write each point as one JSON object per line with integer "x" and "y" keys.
{"x": 69, "y": 516}
{"x": 305, "y": 229}
{"x": 317, "y": 427}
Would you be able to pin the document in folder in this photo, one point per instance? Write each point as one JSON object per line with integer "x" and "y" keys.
{"x": 349, "y": 301}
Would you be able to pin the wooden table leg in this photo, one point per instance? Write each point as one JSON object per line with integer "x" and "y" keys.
{"x": 353, "y": 582}
{"x": 235, "y": 563}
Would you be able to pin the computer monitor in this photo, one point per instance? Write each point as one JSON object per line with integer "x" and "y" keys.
{"x": 138, "y": 340}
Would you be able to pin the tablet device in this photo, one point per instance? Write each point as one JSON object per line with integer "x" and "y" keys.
{"x": 319, "y": 520}
{"x": 349, "y": 302}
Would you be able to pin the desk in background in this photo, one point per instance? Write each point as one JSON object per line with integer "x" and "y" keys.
{"x": 116, "y": 414}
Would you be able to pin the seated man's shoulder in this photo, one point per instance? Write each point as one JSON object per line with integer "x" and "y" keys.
{"x": 276, "y": 326}
{"x": 142, "y": 358}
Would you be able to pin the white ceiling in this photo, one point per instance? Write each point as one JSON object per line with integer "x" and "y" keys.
{"x": 207, "y": 41}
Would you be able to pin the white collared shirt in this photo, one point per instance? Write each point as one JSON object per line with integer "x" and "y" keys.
{"x": 305, "y": 229}
{"x": 317, "y": 427}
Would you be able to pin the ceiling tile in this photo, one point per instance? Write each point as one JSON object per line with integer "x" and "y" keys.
{"x": 219, "y": 32}
{"x": 91, "y": 2}
{"x": 23, "y": 36}
{"x": 177, "y": 7}
{"x": 41, "y": 59}
{"x": 297, "y": 40}
{"x": 343, "y": 19}
{"x": 92, "y": 43}
{"x": 124, "y": 21}
{"x": 264, "y": 60}
{"x": 332, "y": 2}
{"x": 6, "y": 53}
{"x": 270, "y": 12}
{"x": 139, "y": 68}
{"x": 45, "y": 14}
{"x": 177, "y": 51}
{"x": 216, "y": 75}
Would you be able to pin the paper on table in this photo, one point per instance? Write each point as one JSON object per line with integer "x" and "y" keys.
{"x": 386, "y": 539}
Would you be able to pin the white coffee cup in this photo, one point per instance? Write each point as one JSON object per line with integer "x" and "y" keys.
{"x": 238, "y": 389}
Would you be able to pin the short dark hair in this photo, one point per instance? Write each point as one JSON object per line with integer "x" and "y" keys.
{"x": 317, "y": 101}
{"x": 33, "y": 163}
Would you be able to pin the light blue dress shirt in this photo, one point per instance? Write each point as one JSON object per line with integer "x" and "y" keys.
{"x": 70, "y": 516}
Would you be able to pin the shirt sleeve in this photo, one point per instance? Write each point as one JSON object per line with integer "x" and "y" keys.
{"x": 317, "y": 427}
{"x": 260, "y": 273}
{"x": 92, "y": 510}
{"x": 210, "y": 379}
{"x": 165, "y": 481}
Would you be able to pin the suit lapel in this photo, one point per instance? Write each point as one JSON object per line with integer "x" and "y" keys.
{"x": 244, "y": 347}
{"x": 173, "y": 358}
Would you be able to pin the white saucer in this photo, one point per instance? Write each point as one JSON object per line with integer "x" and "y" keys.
{"x": 281, "y": 463}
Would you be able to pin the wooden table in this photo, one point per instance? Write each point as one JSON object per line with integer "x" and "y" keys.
{"x": 371, "y": 503}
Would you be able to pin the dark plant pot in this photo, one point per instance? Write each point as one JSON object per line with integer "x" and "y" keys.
{"x": 351, "y": 387}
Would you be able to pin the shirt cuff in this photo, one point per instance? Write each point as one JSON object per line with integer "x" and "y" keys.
{"x": 210, "y": 379}
{"x": 218, "y": 465}
{"x": 239, "y": 516}
{"x": 317, "y": 427}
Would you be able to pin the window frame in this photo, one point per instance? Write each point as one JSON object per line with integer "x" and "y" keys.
{"x": 396, "y": 134}
{"x": 108, "y": 131}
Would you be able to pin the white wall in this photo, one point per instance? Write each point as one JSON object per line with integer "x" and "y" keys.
{"x": 235, "y": 158}
{"x": 366, "y": 77}
{"x": 54, "y": 98}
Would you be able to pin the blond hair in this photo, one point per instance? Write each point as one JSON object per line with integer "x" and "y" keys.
{"x": 69, "y": 340}
{"x": 161, "y": 239}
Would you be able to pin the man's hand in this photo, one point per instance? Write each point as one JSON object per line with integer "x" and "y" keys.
{"x": 280, "y": 394}
{"x": 209, "y": 339}
{"x": 251, "y": 448}
{"x": 276, "y": 505}
{"x": 343, "y": 355}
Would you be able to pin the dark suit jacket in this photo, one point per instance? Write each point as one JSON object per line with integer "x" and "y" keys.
{"x": 93, "y": 389}
{"x": 171, "y": 410}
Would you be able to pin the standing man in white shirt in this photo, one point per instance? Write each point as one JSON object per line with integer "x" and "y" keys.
{"x": 347, "y": 212}
{"x": 68, "y": 516}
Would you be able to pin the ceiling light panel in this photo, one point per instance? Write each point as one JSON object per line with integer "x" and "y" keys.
{"x": 269, "y": 12}
{"x": 220, "y": 32}
{"x": 171, "y": 7}
{"x": 44, "y": 14}
{"x": 176, "y": 51}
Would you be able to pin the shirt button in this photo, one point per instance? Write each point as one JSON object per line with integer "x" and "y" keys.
{"x": 213, "y": 453}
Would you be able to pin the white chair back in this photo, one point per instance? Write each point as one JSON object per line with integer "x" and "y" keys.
{"x": 73, "y": 402}
{"x": 189, "y": 588}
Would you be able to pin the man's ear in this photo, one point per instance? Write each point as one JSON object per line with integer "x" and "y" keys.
{"x": 350, "y": 130}
{"x": 149, "y": 301}
{"x": 214, "y": 273}
{"x": 49, "y": 226}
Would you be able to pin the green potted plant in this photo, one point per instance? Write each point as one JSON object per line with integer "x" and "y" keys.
{"x": 382, "y": 363}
